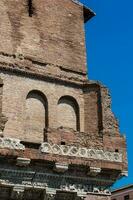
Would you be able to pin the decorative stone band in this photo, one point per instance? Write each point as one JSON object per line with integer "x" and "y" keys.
{"x": 81, "y": 152}
{"x": 11, "y": 143}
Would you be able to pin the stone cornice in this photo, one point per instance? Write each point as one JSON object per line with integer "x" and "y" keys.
{"x": 52, "y": 182}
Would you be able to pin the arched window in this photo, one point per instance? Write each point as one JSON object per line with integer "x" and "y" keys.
{"x": 36, "y": 118}
{"x": 68, "y": 113}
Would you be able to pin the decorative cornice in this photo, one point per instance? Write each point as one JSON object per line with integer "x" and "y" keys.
{"x": 80, "y": 152}
{"x": 51, "y": 182}
{"x": 11, "y": 143}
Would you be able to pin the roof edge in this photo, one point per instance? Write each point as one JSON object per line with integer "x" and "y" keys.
{"x": 130, "y": 186}
{"x": 88, "y": 13}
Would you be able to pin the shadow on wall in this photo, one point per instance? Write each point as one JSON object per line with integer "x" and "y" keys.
{"x": 36, "y": 116}
{"x": 68, "y": 113}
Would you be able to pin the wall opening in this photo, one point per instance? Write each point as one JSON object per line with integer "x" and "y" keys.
{"x": 68, "y": 113}
{"x": 36, "y": 116}
{"x": 30, "y": 8}
{"x": 63, "y": 143}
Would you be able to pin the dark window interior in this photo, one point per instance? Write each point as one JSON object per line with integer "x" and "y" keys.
{"x": 126, "y": 197}
{"x": 63, "y": 143}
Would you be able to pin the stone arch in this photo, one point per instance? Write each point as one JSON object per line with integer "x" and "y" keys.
{"x": 36, "y": 116}
{"x": 68, "y": 113}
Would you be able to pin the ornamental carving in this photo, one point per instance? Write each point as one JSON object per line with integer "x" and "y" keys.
{"x": 81, "y": 152}
{"x": 11, "y": 143}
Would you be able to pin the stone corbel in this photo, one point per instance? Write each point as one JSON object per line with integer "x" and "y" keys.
{"x": 123, "y": 173}
{"x": 94, "y": 171}
{"x": 61, "y": 167}
{"x": 23, "y": 162}
{"x": 17, "y": 192}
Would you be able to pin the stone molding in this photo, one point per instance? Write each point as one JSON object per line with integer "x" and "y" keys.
{"x": 11, "y": 143}
{"x": 81, "y": 152}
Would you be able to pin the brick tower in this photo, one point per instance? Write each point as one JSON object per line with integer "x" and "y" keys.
{"x": 59, "y": 139}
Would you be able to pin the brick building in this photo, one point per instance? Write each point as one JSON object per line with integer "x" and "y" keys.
{"x": 58, "y": 136}
{"x": 124, "y": 193}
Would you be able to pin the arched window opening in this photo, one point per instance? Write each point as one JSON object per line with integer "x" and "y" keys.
{"x": 68, "y": 113}
{"x": 36, "y": 117}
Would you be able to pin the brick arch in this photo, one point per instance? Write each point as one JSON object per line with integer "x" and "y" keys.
{"x": 68, "y": 113}
{"x": 36, "y": 116}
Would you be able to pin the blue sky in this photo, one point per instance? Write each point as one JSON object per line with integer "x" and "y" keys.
{"x": 109, "y": 40}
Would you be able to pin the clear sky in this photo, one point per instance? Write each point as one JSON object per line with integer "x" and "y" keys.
{"x": 109, "y": 38}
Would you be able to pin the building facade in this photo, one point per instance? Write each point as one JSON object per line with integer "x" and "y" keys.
{"x": 124, "y": 193}
{"x": 58, "y": 136}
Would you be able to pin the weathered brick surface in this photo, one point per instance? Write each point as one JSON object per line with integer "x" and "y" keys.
{"x": 15, "y": 91}
{"x": 91, "y": 111}
{"x": 54, "y": 34}
{"x": 110, "y": 123}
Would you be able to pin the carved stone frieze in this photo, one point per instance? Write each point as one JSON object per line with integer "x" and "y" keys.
{"x": 11, "y": 143}
{"x": 80, "y": 152}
